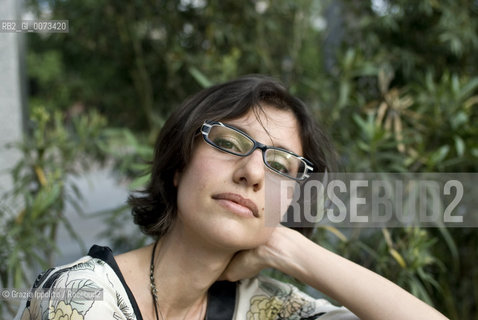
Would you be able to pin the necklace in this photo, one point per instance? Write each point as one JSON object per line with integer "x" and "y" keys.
{"x": 154, "y": 291}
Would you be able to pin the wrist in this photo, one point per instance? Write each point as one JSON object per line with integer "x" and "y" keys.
{"x": 280, "y": 252}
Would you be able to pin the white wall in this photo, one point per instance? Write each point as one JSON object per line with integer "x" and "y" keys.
{"x": 11, "y": 97}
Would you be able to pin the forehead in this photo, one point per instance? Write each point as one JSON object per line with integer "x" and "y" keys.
{"x": 271, "y": 126}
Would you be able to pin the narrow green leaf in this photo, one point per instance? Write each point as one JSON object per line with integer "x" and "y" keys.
{"x": 139, "y": 182}
{"x": 200, "y": 77}
{"x": 45, "y": 199}
{"x": 469, "y": 88}
{"x": 439, "y": 155}
{"x": 349, "y": 58}
{"x": 459, "y": 146}
{"x": 452, "y": 247}
{"x": 474, "y": 152}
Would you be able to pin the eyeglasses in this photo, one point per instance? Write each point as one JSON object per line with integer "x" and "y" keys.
{"x": 232, "y": 140}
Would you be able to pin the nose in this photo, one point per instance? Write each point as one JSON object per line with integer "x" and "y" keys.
{"x": 250, "y": 171}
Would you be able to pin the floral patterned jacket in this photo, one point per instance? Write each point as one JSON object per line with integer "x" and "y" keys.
{"x": 94, "y": 288}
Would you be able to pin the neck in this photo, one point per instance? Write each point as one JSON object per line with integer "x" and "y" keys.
{"x": 184, "y": 269}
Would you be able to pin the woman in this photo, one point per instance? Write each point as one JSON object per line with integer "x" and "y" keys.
{"x": 206, "y": 207}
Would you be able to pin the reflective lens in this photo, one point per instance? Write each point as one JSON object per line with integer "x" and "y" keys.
{"x": 284, "y": 162}
{"x": 232, "y": 140}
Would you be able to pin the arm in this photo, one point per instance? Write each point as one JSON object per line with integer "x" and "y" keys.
{"x": 365, "y": 293}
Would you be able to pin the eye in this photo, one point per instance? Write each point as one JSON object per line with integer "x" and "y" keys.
{"x": 283, "y": 162}
{"x": 227, "y": 144}
{"x": 278, "y": 166}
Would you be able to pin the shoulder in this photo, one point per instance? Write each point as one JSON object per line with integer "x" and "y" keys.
{"x": 85, "y": 289}
{"x": 266, "y": 298}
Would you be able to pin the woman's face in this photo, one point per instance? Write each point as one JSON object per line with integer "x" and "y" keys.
{"x": 221, "y": 197}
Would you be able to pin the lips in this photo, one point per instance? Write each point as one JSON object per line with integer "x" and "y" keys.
{"x": 235, "y": 198}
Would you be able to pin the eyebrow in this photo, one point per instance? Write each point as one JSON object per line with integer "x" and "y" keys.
{"x": 250, "y": 135}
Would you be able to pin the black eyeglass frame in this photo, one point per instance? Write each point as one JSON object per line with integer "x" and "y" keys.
{"x": 208, "y": 124}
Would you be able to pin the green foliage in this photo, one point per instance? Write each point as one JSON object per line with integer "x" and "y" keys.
{"x": 150, "y": 54}
{"x": 395, "y": 84}
{"x": 54, "y": 151}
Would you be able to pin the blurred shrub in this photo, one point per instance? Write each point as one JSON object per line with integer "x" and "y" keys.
{"x": 53, "y": 151}
{"x": 395, "y": 82}
{"x": 58, "y": 148}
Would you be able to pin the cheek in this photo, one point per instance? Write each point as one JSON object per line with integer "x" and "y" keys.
{"x": 195, "y": 175}
{"x": 202, "y": 177}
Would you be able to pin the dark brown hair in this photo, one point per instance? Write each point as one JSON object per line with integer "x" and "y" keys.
{"x": 154, "y": 209}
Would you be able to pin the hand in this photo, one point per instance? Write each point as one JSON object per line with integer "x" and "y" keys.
{"x": 244, "y": 264}
{"x": 248, "y": 263}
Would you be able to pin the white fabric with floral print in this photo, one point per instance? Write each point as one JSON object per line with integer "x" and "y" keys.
{"x": 264, "y": 298}
{"x": 81, "y": 278}
{"x": 259, "y": 298}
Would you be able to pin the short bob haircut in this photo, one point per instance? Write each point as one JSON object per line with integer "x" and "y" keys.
{"x": 154, "y": 209}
